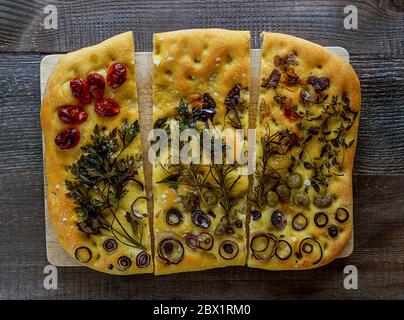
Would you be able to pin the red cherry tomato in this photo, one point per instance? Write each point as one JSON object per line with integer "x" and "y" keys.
{"x": 116, "y": 75}
{"x": 96, "y": 83}
{"x": 79, "y": 88}
{"x": 107, "y": 107}
{"x": 72, "y": 114}
{"x": 68, "y": 138}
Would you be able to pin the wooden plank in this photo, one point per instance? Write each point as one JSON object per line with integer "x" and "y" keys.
{"x": 378, "y": 255}
{"x": 144, "y": 68}
{"x": 381, "y": 142}
{"x": 81, "y": 23}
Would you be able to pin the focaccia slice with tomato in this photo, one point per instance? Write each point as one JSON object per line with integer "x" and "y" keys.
{"x": 93, "y": 162}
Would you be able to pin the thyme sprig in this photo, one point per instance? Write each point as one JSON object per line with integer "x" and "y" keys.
{"x": 99, "y": 183}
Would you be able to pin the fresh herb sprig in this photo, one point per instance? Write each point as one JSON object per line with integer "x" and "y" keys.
{"x": 99, "y": 183}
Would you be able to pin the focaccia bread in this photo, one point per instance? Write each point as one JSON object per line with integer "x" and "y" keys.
{"x": 93, "y": 163}
{"x": 200, "y": 80}
{"x": 307, "y": 127}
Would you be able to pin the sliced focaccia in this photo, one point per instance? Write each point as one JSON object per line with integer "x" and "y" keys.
{"x": 307, "y": 127}
{"x": 200, "y": 81}
{"x": 93, "y": 163}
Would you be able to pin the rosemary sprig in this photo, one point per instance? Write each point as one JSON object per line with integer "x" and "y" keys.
{"x": 99, "y": 182}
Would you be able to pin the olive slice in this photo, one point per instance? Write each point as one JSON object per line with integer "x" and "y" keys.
{"x": 173, "y": 217}
{"x": 322, "y": 201}
{"x": 83, "y": 254}
{"x": 294, "y": 180}
{"x": 228, "y": 249}
{"x": 110, "y": 245}
{"x": 283, "y": 250}
{"x": 307, "y": 248}
{"x": 135, "y": 211}
{"x": 190, "y": 201}
{"x": 333, "y": 231}
{"x": 278, "y": 219}
{"x": 210, "y": 197}
{"x": 192, "y": 241}
{"x": 255, "y": 214}
{"x": 205, "y": 241}
{"x": 200, "y": 219}
{"x": 272, "y": 198}
{"x": 341, "y": 215}
{"x": 299, "y": 222}
{"x": 283, "y": 191}
{"x": 320, "y": 219}
{"x": 143, "y": 259}
{"x": 311, "y": 248}
{"x": 171, "y": 250}
{"x": 263, "y": 246}
{"x": 124, "y": 263}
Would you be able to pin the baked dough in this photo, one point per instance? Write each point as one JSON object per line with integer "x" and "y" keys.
{"x": 86, "y": 246}
{"x": 302, "y": 84}
{"x": 187, "y": 65}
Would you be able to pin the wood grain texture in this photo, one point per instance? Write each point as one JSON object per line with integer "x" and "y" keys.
{"x": 81, "y": 23}
{"x": 380, "y": 263}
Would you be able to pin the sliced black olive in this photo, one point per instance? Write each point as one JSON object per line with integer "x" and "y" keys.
{"x": 171, "y": 250}
{"x": 278, "y": 219}
{"x": 283, "y": 191}
{"x": 228, "y": 249}
{"x": 110, "y": 245}
{"x": 135, "y": 212}
{"x": 173, "y": 217}
{"x": 299, "y": 222}
{"x": 333, "y": 231}
{"x": 322, "y": 201}
{"x": 272, "y": 198}
{"x": 192, "y": 241}
{"x": 255, "y": 214}
{"x": 143, "y": 259}
{"x": 233, "y": 97}
{"x": 301, "y": 199}
{"x": 210, "y": 197}
{"x": 307, "y": 248}
{"x": 263, "y": 246}
{"x": 204, "y": 115}
{"x": 83, "y": 254}
{"x": 341, "y": 215}
{"x": 294, "y": 180}
{"x": 200, "y": 219}
{"x": 205, "y": 241}
{"x": 124, "y": 263}
{"x": 320, "y": 219}
{"x": 190, "y": 201}
{"x": 283, "y": 250}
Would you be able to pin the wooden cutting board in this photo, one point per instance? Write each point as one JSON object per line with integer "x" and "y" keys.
{"x": 144, "y": 68}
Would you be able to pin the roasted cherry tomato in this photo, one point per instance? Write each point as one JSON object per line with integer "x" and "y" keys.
{"x": 107, "y": 107}
{"x": 72, "y": 114}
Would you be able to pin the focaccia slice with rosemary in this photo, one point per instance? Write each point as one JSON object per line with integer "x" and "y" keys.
{"x": 200, "y": 81}
{"x": 93, "y": 158}
{"x": 307, "y": 128}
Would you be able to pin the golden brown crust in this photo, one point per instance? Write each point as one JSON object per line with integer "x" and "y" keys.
{"x": 96, "y": 58}
{"x": 187, "y": 64}
{"x": 312, "y": 60}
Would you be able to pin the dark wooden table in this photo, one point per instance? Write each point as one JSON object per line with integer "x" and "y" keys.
{"x": 377, "y": 54}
